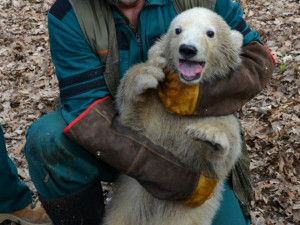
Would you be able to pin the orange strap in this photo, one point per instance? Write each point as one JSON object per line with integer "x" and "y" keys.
{"x": 105, "y": 51}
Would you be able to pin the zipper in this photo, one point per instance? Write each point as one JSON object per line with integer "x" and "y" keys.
{"x": 139, "y": 42}
{"x": 136, "y": 33}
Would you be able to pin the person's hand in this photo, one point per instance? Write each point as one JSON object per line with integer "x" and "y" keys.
{"x": 204, "y": 191}
{"x": 177, "y": 97}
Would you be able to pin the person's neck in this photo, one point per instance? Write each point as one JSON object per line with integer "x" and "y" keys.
{"x": 131, "y": 12}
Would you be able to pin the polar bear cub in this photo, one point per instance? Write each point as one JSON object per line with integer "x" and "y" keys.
{"x": 200, "y": 47}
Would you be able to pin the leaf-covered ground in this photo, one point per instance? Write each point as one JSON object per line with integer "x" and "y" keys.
{"x": 271, "y": 120}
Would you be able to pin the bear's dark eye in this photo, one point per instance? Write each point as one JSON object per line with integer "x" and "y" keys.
{"x": 178, "y": 30}
{"x": 210, "y": 34}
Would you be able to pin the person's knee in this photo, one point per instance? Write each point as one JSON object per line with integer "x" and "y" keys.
{"x": 54, "y": 159}
{"x": 42, "y": 137}
{"x": 50, "y": 156}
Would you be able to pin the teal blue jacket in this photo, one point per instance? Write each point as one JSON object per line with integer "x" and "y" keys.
{"x": 79, "y": 70}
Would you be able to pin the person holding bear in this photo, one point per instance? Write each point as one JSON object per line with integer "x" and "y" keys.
{"x": 59, "y": 145}
{"x": 193, "y": 48}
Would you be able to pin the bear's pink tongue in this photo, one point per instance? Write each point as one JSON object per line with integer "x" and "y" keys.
{"x": 190, "y": 69}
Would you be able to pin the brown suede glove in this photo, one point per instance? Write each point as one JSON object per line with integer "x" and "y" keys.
{"x": 157, "y": 170}
{"x": 177, "y": 97}
{"x": 225, "y": 96}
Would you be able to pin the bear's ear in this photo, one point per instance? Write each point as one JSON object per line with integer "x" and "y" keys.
{"x": 237, "y": 38}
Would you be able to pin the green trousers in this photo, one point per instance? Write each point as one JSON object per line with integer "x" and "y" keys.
{"x": 59, "y": 167}
{"x": 14, "y": 195}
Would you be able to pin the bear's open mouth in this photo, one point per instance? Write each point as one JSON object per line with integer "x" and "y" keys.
{"x": 190, "y": 70}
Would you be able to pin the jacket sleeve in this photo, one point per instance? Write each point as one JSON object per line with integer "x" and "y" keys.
{"x": 78, "y": 69}
{"x": 233, "y": 15}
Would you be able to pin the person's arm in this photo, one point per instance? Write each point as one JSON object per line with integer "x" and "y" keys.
{"x": 226, "y": 96}
{"x": 232, "y": 13}
{"x": 229, "y": 95}
{"x": 78, "y": 69}
{"x": 91, "y": 116}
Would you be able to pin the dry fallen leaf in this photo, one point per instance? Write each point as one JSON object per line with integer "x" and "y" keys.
{"x": 271, "y": 120}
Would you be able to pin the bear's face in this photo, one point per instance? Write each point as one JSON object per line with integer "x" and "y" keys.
{"x": 200, "y": 46}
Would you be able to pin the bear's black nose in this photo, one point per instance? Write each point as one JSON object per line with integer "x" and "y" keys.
{"x": 187, "y": 51}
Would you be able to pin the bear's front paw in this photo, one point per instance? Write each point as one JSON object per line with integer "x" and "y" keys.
{"x": 148, "y": 78}
{"x": 156, "y": 55}
{"x": 212, "y": 136}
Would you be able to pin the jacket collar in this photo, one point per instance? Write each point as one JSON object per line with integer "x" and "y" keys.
{"x": 158, "y": 2}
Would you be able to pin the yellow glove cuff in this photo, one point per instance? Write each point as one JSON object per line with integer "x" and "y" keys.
{"x": 205, "y": 190}
{"x": 177, "y": 97}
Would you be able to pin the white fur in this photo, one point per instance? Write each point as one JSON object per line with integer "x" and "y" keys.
{"x": 186, "y": 137}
